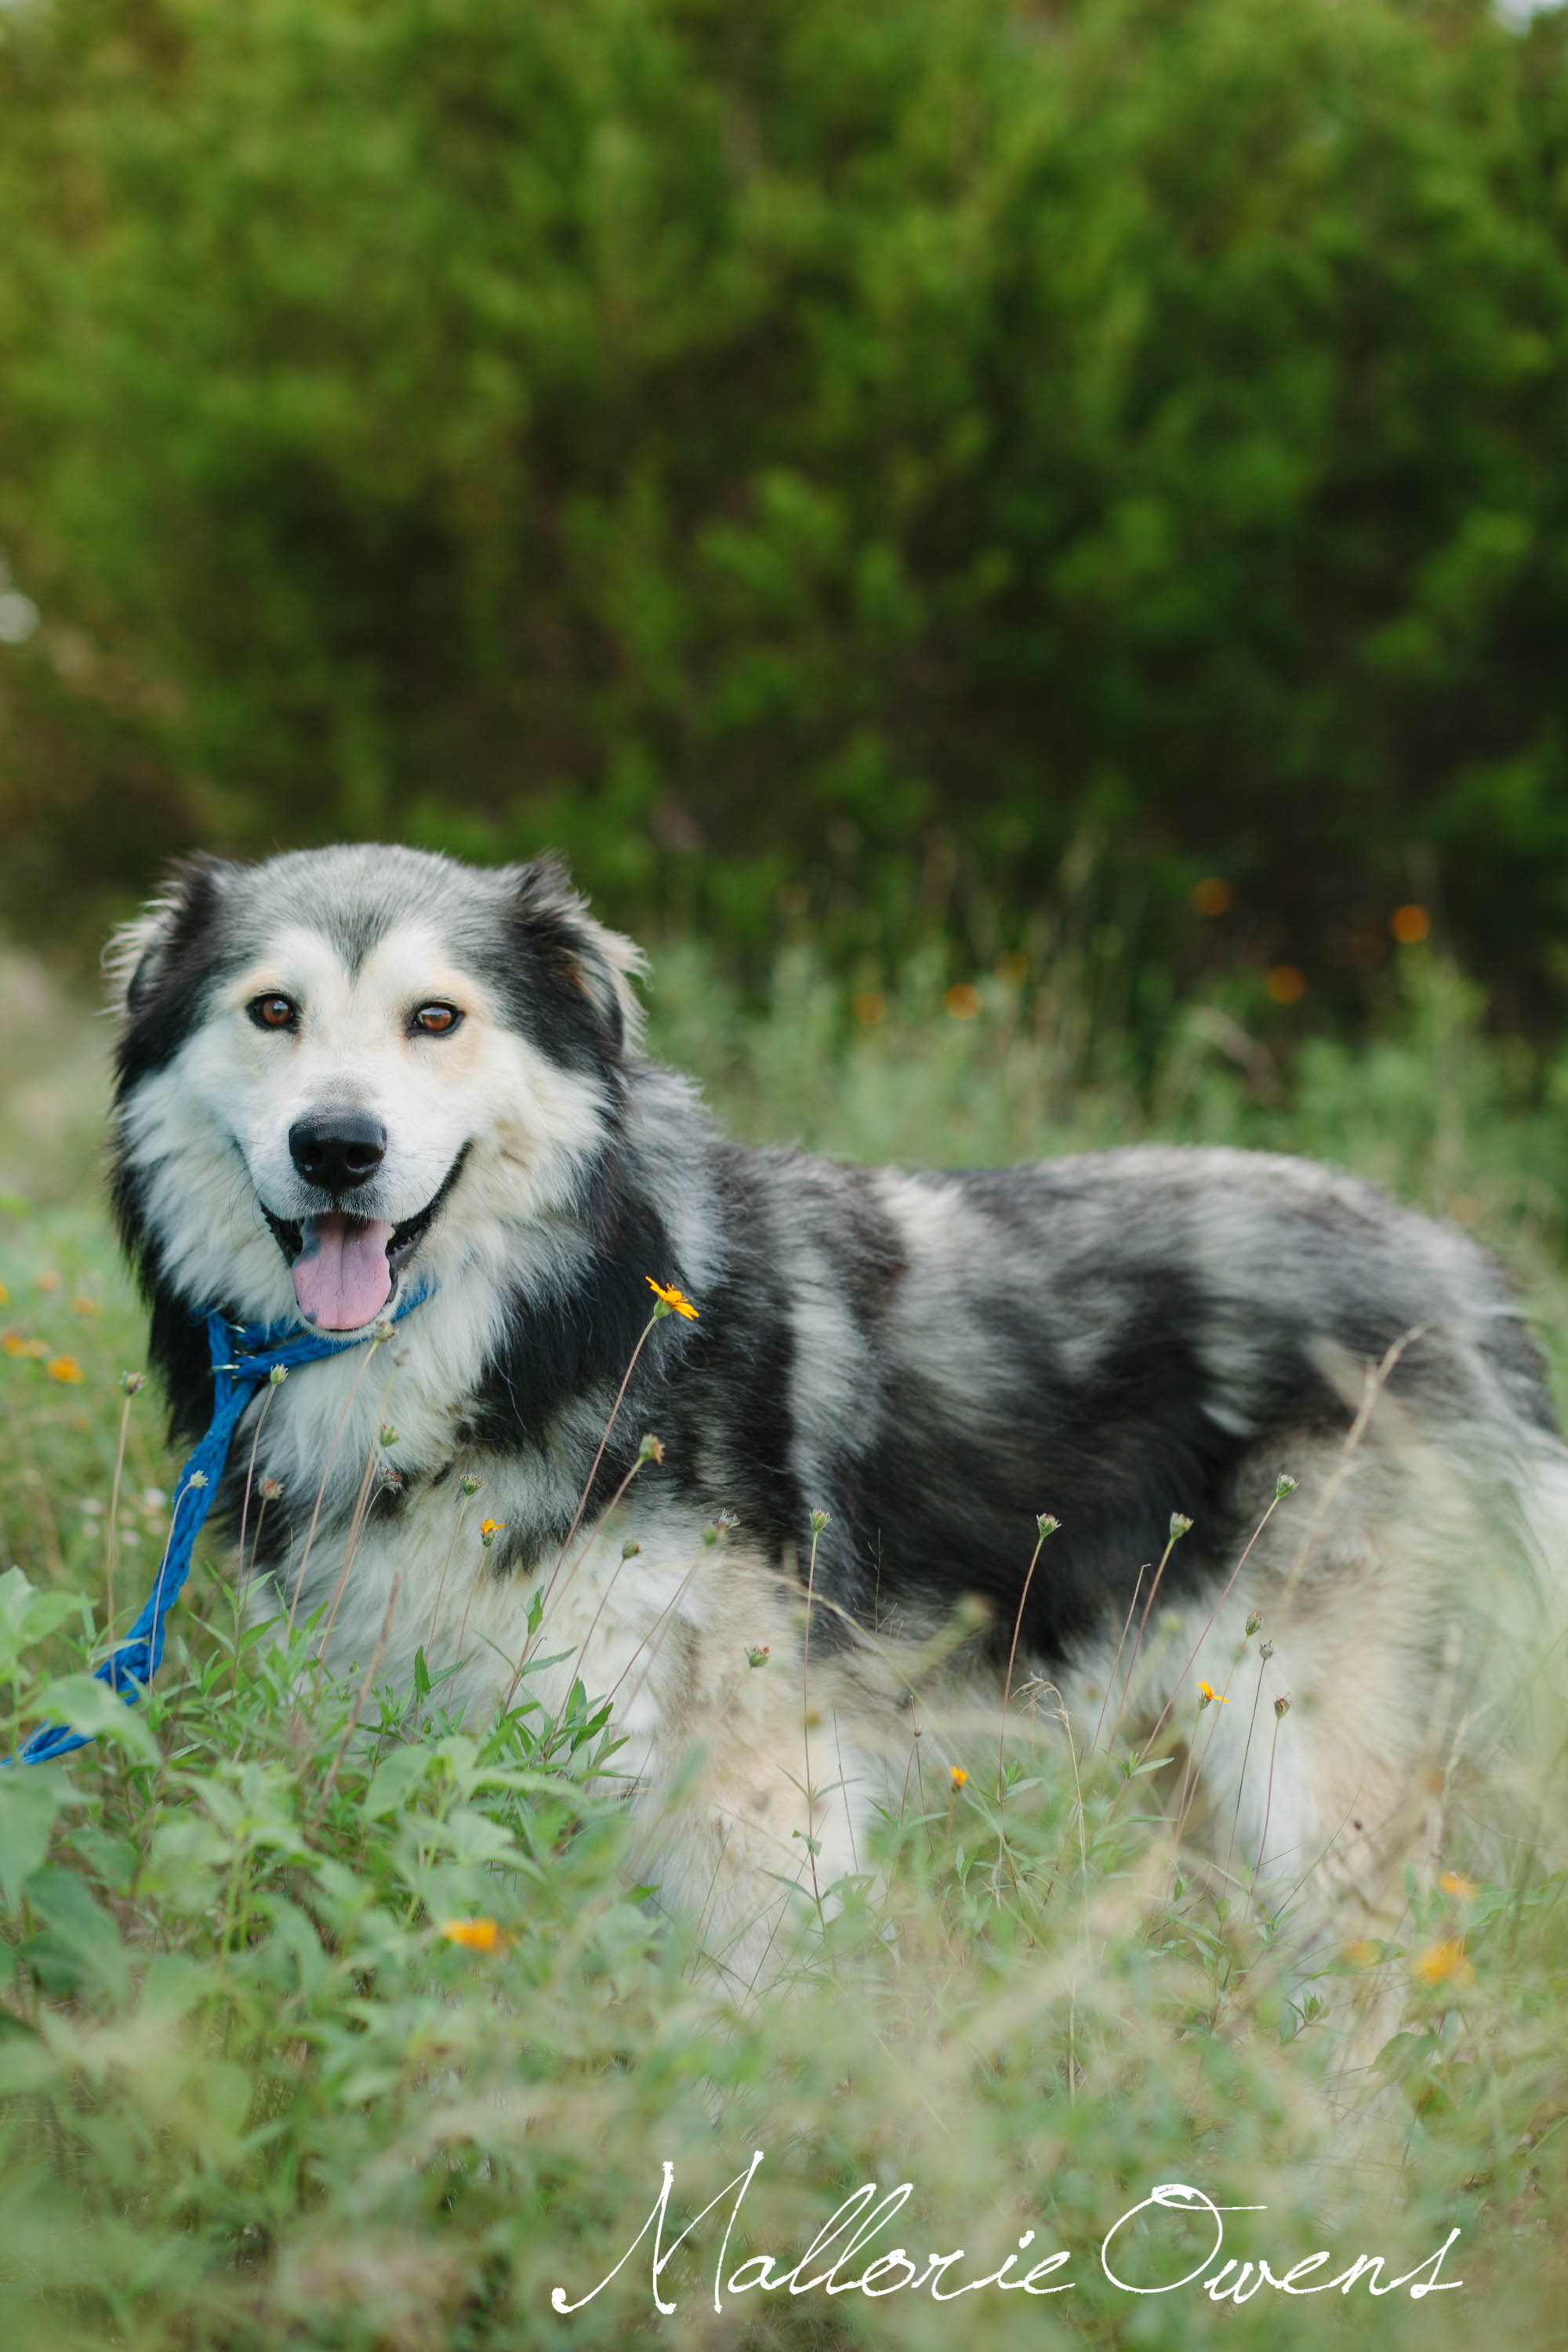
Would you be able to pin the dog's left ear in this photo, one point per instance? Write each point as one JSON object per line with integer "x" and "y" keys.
{"x": 599, "y": 964}
{"x": 143, "y": 955}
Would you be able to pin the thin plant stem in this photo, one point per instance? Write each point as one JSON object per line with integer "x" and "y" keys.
{"x": 1172, "y": 1541}
{"x": 816, "y": 1526}
{"x": 362, "y": 1502}
{"x": 1195, "y": 1763}
{"x": 648, "y": 1638}
{"x": 1241, "y": 1784}
{"x": 251, "y": 1473}
{"x": 1116, "y": 1661}
{"x": 611, "y": 1507}
{"x": 659, "y": 1312}
{"x": 1047, "y": 1526}
{"x": 1377, "y": 1380}
{"x": 244, "y": 1517}
{"x": 594, "y": 1627}
{"x": 326, "y": 1474}
{"x": 463, "y": 1501}
{"x": 349, "y": 1547}
{"x": 1213, "y": 1612}
{"x": 113, "y": 1545}
{"x": 1268, "y": 1810}
{"x": 362, "y": 1694}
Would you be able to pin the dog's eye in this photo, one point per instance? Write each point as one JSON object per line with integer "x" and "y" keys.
{"x": 436, "y": 1020}
{"x": 273, "y": 1012}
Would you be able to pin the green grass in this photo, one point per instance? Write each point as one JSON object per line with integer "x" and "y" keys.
{"x": 250, "y": 2095}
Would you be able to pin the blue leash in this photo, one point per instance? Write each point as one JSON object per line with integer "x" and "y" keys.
{"x": 243, "y": 1356}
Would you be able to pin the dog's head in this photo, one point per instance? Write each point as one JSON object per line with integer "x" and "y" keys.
{"x": 343, "y": 1062}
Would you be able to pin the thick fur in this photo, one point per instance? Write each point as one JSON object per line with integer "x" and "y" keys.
{"x": 932, "y": 1359}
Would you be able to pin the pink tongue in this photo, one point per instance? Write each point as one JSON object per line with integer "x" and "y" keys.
{"x": 341, "y": 1278}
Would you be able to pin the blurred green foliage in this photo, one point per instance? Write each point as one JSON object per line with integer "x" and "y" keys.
{"x": 866, "y": 455}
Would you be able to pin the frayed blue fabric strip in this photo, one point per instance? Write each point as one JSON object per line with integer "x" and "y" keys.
{"x": 244, "y": 1357}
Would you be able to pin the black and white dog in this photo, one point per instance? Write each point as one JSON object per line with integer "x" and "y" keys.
{"x": 344, "y": 1073}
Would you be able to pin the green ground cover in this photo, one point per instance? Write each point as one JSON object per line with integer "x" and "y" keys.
{"x": 252, "y": 2094}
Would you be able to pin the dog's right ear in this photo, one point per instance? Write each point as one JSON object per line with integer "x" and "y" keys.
{"x": 143, "y": 954}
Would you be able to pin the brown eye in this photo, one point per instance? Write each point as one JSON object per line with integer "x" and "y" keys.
{"x": 436, "y": 1020}
{"x": 273, "y": 1012}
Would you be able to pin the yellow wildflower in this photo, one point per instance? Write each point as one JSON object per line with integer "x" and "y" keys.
{"x": 1453, "y": 1882}
{"x": 673, "y": 1301}
{"x": 4, "y": 1295}
{"x": 82, "y": 1304}
{"x": 63, "y": 1368}
{"x": 962, "y": 1001}
{"x": 1442, "y": 1960}
{"x": 1209, "y": 1696}
{"x": 474, "y": 1935}
{"x": 46, "y": 1279}
{"x": 34, "y": 1348}
{"x": 13, "y": 1343}
{"x": 1363, "y": 1953}
{"x": 959, "y": 1776}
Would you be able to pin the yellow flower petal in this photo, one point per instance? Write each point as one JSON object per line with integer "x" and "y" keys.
{"x": 1442, "y": 1960}
{"x": 1453, "y": 1882}
{"x": 63, "y": 1368}
{"x": 675, "y": 1301}
{"x": 959, "y": 1776}
{"x": 474, "y": 1935}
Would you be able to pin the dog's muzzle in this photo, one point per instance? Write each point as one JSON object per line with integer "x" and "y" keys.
{"x": 345, "y": 1267}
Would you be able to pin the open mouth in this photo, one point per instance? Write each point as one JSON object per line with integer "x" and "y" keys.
{"x": 346, "y": 1268}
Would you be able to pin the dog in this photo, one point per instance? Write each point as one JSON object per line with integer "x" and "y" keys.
{"x": 351, "y": 1078}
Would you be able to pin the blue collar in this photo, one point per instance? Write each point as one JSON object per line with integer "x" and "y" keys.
{"x": 243, "y": 1356}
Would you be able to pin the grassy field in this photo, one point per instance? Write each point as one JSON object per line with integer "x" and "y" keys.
{"x": 253, "y": 2091}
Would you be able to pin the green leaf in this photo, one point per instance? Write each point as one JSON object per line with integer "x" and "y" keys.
{"x": 31, "y": 1795}
{"x": 394, "y": 1781}
{"x": 80, "y": 1949}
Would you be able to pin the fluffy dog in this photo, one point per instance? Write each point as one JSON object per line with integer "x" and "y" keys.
{"x": 348, "y": 1072}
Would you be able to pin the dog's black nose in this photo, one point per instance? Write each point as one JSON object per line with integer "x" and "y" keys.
{"x": 337, "y": 1149}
